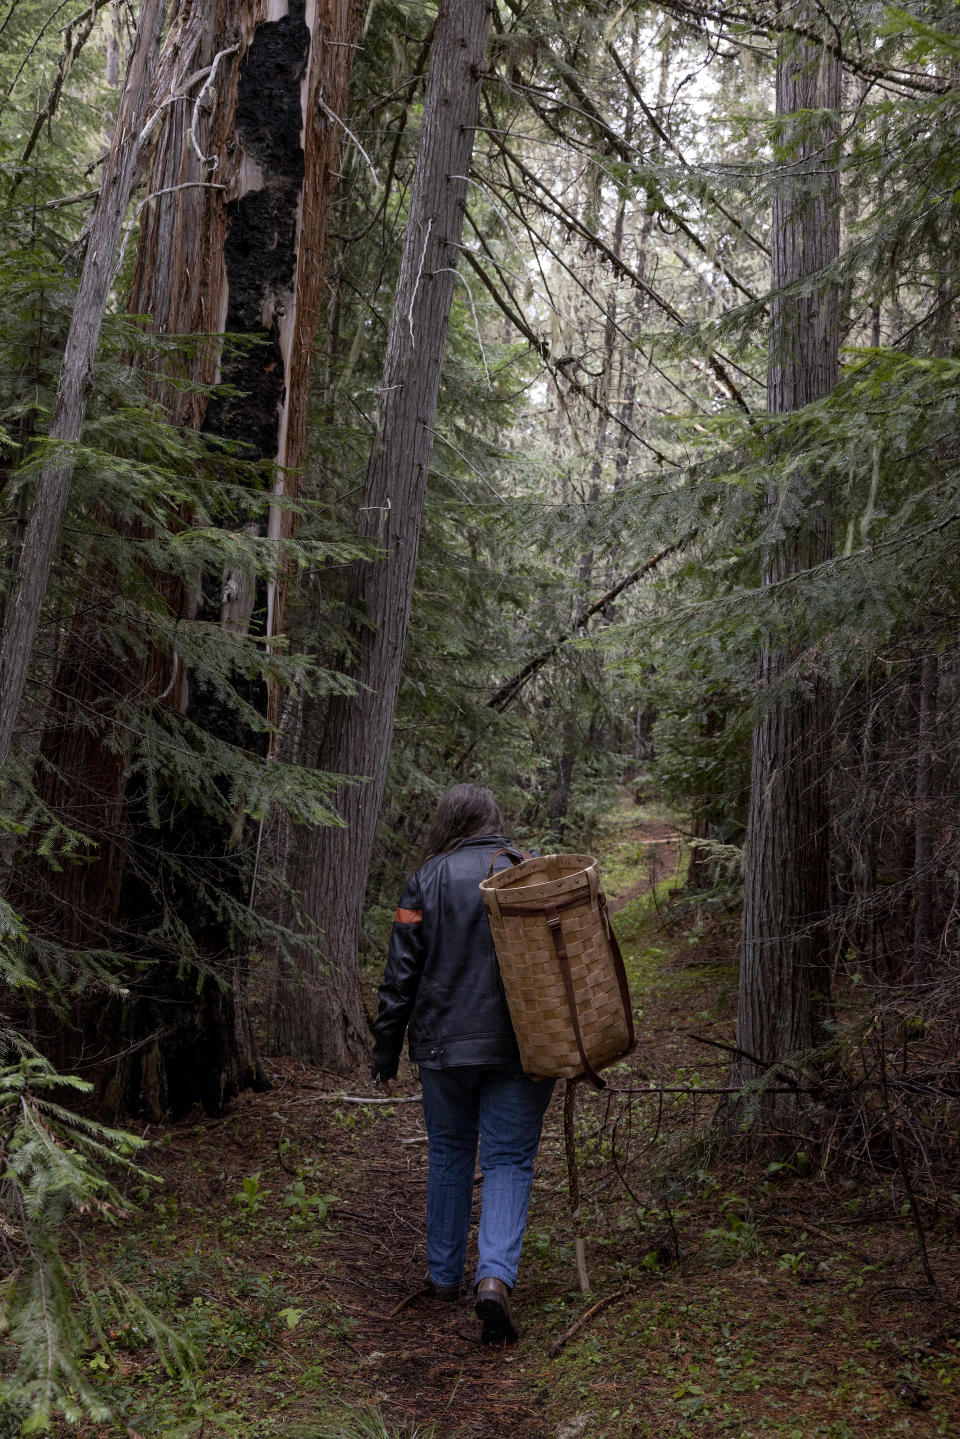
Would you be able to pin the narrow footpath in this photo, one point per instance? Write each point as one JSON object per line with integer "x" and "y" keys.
{"x": 727, "y": 1299}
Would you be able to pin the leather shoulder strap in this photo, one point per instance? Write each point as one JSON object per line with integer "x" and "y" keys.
{"x": 619, "y": 970}
{"x": 517, "y": 856}
{"x": 559, "y": 943}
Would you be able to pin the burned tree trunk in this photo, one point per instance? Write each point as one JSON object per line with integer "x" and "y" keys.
{"x": 784, "y": 976}
{"x": 324, "y": 1019}
{"x": 245, "y": 143}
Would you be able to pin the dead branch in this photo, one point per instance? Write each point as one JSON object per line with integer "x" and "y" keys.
{"x": 509, "y": 690}
{"x": 902, "y": 1166}
{"x": 72, "y": 45}
{"x": 585, "y": 1318}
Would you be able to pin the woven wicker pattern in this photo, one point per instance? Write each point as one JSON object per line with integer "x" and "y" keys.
{"x": 533, "y": 981}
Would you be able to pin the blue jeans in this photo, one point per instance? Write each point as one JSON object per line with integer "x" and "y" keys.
{"x": 504, "y": 1109}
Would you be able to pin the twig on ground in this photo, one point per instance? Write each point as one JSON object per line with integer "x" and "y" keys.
{"x": 797, "y": 1221}
{"x": 585, "y": 1318}
{"x": 420, "y": 1293}
{"x": 363, "y": 1099}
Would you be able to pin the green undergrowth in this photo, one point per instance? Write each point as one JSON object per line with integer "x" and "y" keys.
{"x": 739, "y": 1297}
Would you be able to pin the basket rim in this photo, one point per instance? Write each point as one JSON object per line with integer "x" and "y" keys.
{"x": 527, "y": 869}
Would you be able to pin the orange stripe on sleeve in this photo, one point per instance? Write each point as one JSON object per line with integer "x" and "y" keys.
{"x": 408, "y": 916}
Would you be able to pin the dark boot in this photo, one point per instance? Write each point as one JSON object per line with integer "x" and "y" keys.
{"x": 494, "y": 1312}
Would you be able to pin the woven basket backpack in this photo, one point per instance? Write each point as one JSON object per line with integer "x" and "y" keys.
{"x": 561, "y": 966}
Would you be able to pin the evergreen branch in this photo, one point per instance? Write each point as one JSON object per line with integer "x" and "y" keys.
{"x": 775, "y": 25}
{"x": 671, "y": 144}
{"x": 572, "y": 223}
{"x": 72, "y": 45}
{"x": 542, "y": 347}
{"x": 630, "y": 155}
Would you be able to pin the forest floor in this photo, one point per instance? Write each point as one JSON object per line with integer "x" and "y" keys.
{"x": 729, "y": 1298}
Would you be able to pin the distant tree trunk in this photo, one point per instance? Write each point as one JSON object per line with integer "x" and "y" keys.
{"x": 561, "y": 789}
{"x": 630, "y": 360}
{"x": 323, "y": 1017}
{"x": 923, "y": 818}
{"x": 784, "y": 973}
{"x": 234, "y": 240}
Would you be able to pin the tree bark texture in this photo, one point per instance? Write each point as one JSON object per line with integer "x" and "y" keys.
{"x": 76, "y": 372}
{"x": 325, "y": 1018}
{"x": 242, "y": 171}
{"x": 784, "y": 975}
{"x": 281, "y": 77}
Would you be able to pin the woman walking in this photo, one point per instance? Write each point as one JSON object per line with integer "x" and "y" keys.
{"x": 442, "y": 985}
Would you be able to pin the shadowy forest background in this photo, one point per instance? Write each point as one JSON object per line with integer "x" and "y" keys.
{"x": 540, "y": 394}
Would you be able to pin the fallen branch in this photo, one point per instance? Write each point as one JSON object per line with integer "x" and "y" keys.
{"x": 585, "y": 1318}
{"x": 654, "y": 1090}
{"x": 420, "y": 1293}
{"x": 362, "y": 1099}
{"x": 797, "y": 1221}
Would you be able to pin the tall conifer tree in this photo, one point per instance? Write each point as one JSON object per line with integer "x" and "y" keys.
{"x": 784, "y": 974}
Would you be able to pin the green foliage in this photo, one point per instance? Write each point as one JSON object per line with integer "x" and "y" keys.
{"x": 630, "y": 240}
{"x": 307, "y": 1209}
{"x": 367, "y": 1424}
{"x": 54, "y": 1308}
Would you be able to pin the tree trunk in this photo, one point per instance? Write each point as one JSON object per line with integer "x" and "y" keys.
{"x": 630, "y": 362}
{"x": 76, "y": 372}
{"x": 784, "y": 974}
{"x": 923, "y": 818}
{"x": 323, "y": 1016}
{"x": 242, "y": 175}
{"x": 561, "y": 789}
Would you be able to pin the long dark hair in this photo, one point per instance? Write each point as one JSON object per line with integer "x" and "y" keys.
{"x": 465, "y": 810}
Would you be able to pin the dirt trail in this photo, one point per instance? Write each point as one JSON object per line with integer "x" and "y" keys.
{"x": 423, "y": 1357}
{"x": 736, "y": 1311}
{"x": 303, "y": 1317}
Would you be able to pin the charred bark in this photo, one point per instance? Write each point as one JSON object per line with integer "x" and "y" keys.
{"x": 245, "y": 142}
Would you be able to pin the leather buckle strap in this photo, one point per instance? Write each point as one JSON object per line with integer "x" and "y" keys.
{"x": 555, "y": 905}
{"x": 559, "y": 944}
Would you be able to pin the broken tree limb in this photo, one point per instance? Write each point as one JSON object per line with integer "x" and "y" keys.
{"x": 542, "y": 346}
{"x": 366, "y": 1099}
{"x": 509, "y": 690}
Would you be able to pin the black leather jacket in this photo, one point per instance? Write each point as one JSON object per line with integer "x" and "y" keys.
{"x": 442, "y": 979}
